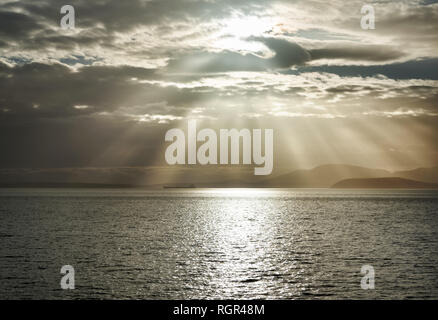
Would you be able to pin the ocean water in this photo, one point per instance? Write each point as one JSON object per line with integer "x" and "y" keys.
{"x": 218, "y": 243}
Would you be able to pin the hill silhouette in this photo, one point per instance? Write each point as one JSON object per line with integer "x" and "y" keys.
{"x": 420, "y": 174}
{"x": 322, "y": 176}
{"x": 384, "y": 183}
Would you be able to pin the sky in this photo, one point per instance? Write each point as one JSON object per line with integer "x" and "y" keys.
{"x": 102, "y": 95}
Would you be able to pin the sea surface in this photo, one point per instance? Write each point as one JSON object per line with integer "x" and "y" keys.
{"x": 218, "y": 243}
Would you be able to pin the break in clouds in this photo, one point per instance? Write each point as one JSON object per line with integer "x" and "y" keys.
{"x": 104, "y": 93}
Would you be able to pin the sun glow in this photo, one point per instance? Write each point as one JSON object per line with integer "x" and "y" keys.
{"x": 243, "y": 27}
{"x": 234, "y": 33}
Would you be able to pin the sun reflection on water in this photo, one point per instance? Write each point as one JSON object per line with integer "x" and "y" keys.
{"x": 244, "y": 249}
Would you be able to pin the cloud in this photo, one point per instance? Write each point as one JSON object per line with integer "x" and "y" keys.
{"x": 413, "y": 69}
{"x": 15, "y": 26}
{"x": 151, "y": 33}
{"x": 41, "y": 90}
{"x": 122, "y": 16}
{"x": 38, "y": 91}
{"x": 287, "y": 53}
{"x": 132, "y": 68}
{"x": 354, "y": 52}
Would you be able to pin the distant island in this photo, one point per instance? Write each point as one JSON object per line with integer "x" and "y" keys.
{"x": 383, "y": 183}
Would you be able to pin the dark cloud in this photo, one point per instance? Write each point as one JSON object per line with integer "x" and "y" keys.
{"x": 373, "y": 53}
{"x": 414, "y": 69}
{"x": 41, "y": 90}
{"x": 16, "y": 26}
{"x": 287, "y": 53}
{"x": 428, "y": 2}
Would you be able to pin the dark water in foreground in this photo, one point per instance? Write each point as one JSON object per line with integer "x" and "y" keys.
{"x": 218, "y": 244}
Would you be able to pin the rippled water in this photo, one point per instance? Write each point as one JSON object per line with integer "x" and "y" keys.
{"x": 229, "y": 243}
